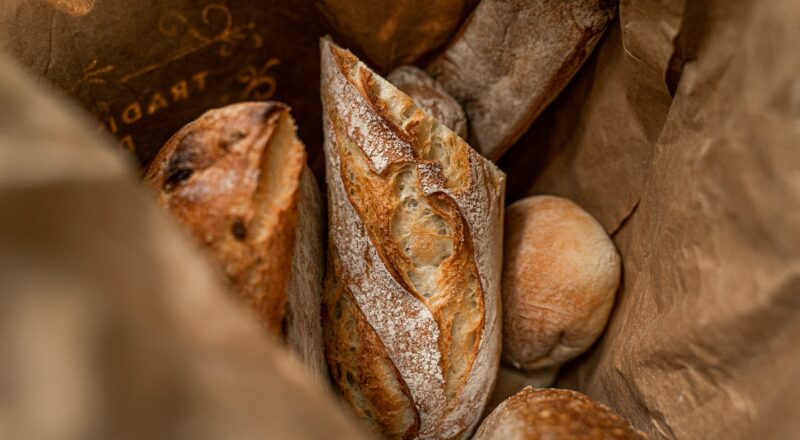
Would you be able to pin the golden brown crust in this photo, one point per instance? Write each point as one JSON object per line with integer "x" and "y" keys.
{"x": 555, "y": 414}
{"x": 231, "y": 178}
{"x": 358, "y": 362}
{"x": 407, "y": 199}
{"x": 512, "y": 58}
{"x": 560, "y": 274}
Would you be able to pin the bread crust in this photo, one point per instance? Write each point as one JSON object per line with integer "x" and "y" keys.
{"x": 512, "y": 58}
{"x": 232, "y": 179}
{"x": 560, "y": 276}
{"x": 535, "y": 414}
{"x": 415, "y": 220}
{"x": 430, "y": 96}
{"x": 303, "y": 328}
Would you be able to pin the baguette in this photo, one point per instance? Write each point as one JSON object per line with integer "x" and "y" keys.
{"x": 412, "y": 307}
{"x": 554, "y": 414}
{"x": 236, "y": 179}
{"x": 512, "y": 58}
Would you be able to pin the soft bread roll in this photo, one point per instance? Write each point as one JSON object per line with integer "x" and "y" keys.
{"x": 560, "y": 274}
{"x": 512, "y": 58}
{"x": 554, "y": 414}
{"x": 431, "y": 97}
{"x": 412, "y": 327}
{"x": 236, "y": 179}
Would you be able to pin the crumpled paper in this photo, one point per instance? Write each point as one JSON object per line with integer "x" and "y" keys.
{"x": 680, "y": 136}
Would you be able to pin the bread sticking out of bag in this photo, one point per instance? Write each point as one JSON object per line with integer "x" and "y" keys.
{"x": 430, "y": 96}
{"x": 512, "y": 58}
{"x": 554, "y": 414}
{"x": 412, "y": 309}
{"x": 236, "y": 180}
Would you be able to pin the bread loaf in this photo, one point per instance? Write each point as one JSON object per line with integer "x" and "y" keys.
{"x": 431, "y": 97}
{"x": 512, "y": 58}
{"x": 560, "y": 274}
{"x": 236, "y": 179}
{"x": 554, "y": 414}
{"x": 411, "y": 316}
{"x": 390, "y": 33}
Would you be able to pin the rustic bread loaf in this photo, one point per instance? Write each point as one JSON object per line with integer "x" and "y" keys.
{"x": 430, "y": 96}
{"x": 236, "y": 179}
{"x": 390, "y": 33}
{"x": 411, "y": 316}
{"x": 560, "y": 274}
{"x": 512, "y": 58}
{"x": 554, "y": 414}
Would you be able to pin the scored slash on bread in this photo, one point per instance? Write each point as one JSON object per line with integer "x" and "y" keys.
{"x": 430, "y": 96}
{"x": 411, "y": 316}
{"x": 236, "y": 179}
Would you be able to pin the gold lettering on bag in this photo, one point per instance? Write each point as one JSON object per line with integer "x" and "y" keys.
{"x": 156, "y": 103}
{"x": 132, "y": 113}
{"x": 199, "y": 78}
{"x": 111, "y": 123}
{"x": 179, "y": 90}
{"x": 127, "y": 143}
{"x": 213, "y": 29}
{"x": 258, "y": 85}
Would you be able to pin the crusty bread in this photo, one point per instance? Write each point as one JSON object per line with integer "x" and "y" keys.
{"x": 430, "y": 96}
{"x": 512, "y": 58}
{"x": 560, "y": 274}
{"x": 415, "y": 234}
{"x": 554, "y": 414}
{"x": 235, "y": 179}
{"x": 390, "y": 33}
{"x": 304, "y": 292}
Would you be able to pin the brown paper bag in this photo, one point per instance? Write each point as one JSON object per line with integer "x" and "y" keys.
{"x": 701, "y": 193}
{"x": 679, "y": 134}
{"x": 145, "y": 68}
{"x": 111, "y": 324}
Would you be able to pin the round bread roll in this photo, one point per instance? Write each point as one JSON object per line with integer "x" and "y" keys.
{"x": 554, "y": 414}
{"x": 560, "y": 275}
